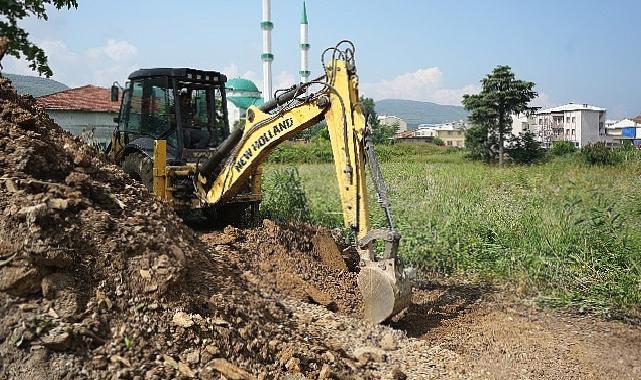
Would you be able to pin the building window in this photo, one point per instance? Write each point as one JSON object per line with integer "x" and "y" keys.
{"x": 573, "y": 119}
{"x": 540, "y": 121}
{"x": 449, "y": 143}
{"x": 567, "y": 119}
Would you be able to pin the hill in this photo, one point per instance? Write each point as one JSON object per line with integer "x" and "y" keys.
{"x": 36, "y": 86}
{"x": 415, "y": 112}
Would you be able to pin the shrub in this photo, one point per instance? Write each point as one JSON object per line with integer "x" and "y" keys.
{"x": 599, "y": 154}
{"x": 562, "y": 148}
{"x": 438, "y": 141}
{"x": 524, "y": 149}
{"x": 285, "y": 197}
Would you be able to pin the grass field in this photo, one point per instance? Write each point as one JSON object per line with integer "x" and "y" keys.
{"x": 565, "y": 232}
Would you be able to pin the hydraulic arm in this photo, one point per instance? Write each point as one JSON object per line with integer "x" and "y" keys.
{"x": 384, "y": 284}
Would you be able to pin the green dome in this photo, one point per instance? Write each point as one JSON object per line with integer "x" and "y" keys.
{"x": 241, "y": 85}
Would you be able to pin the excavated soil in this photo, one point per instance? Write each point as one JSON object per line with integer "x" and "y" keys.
{"x": 298, "y": 261}
{"x": 99, "y": 280}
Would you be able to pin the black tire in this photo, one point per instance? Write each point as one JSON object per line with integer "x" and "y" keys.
{"x": 140, "y": 167}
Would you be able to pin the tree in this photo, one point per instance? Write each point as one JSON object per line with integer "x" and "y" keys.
{"x": 369, "y": 110}
{"x": 501, "y": 96}
{"x": 18, "y": 43}
{"x": 381, "y": 133}
{"x": 438, "y": 141}
{"x": 384, "y": 134}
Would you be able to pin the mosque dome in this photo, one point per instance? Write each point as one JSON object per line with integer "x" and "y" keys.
{"x": 243, "y": 93}
{"x": 241, "y": 85}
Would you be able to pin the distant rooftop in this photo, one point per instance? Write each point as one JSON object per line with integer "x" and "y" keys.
{"x": 570, "y": 107}
{"x": 85, "y": 98}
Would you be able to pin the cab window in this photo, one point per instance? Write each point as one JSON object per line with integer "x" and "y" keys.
{"x": 151, "y": 104}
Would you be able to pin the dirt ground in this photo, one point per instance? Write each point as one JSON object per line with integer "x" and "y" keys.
{"x": 500, "y": 337}
{"x": 467, "y": 330}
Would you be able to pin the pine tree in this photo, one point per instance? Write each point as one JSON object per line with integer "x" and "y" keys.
{"x": 501, "y": 96}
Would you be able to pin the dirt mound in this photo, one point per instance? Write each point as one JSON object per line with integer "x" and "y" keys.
{"x": 100, "y": 280}
{"x": 299, "y": 261}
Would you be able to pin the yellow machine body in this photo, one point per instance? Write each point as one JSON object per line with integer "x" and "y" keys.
{"x": 237, "y": 177}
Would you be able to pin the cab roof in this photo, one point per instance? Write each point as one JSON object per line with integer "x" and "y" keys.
{"x": 180, "y": 73}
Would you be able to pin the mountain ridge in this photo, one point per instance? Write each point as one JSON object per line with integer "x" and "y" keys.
{"x": 33, "y": 85}
{"x": 416, "y": 112}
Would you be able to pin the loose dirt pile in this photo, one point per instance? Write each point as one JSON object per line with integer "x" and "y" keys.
{"x": 100, "y": 280}
{"x": 298, "y": 261}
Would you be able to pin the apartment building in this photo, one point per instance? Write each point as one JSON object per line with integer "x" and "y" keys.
{"x": 452, "y": 134}
{"x": 581, "y": 124}
{"x": 391, "y": 120}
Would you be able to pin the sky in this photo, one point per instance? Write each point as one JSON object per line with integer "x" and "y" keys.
{"x": 575, "y": 51}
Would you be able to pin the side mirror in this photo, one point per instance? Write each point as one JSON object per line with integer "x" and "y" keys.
{"x": 115, "y": 92}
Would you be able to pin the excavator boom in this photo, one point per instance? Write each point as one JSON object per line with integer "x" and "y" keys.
{"x": 383, "y": 282}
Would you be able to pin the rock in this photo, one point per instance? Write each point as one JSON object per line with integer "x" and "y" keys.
{"x": 397, "y": 374}
{"x": 169, "y": 361}
{"x": 58, "y": 339}
{"x": 58, "y": 203}
{"x": 229, "y": 370}
{"x": 328, "y": 251}
{"x": 388, "y": 343}
{"x": 57, "y": 258}
{"x": 212, "y": 349}
{"x": 293, "y": 365}
{"x": 325, "y": 373}
{"x": 117, "y": 359}
{"x": 34, "y": 213}
{"x": 55, "y": 282}
{"x": 294, "y": 376}
{"x": 182, "y": 319}
{"x": 185, "y": 370}
{"x": 193, "y": 357}
{"x": 145, "y": 274}
{"x": 102, "y": 300}
{"x": 369, "y": 354}
{"x": 67, "y": 304}
{"x": 297, "y": 287}
{"x": 20, "y": 280}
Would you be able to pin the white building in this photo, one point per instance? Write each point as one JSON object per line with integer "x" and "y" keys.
{"x": 616, "y": 129}
{"x": 85, "y": 111}
{"x": 390, "y": 120}
{"x": 522, "y": 122}
{"x": 452, "y": 134}
{"x": 581, "y": 124}
{"x": 626, "y": 129}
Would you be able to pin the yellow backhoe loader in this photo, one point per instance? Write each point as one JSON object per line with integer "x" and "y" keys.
{"x": 173, "y": 135}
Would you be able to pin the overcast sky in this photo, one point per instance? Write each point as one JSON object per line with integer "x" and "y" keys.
{"x": 581, "y": 51}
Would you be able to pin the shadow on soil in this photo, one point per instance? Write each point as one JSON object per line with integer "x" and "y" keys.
{"x": 433, "y": 303}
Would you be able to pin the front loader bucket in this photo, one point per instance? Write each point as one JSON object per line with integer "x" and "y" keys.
{"x": 386, "y": 292}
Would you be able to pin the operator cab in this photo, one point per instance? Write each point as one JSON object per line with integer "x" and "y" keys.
{"x": 185, "y": 107}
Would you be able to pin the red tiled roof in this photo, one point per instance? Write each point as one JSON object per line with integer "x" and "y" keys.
{"x": 85, "y": 98}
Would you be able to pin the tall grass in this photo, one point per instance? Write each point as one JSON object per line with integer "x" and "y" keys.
{"x": 564, "y": 231}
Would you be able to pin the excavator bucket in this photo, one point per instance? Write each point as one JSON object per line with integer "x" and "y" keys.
{"x": 384, "y": 294}
{"x": 384, "y": 284}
